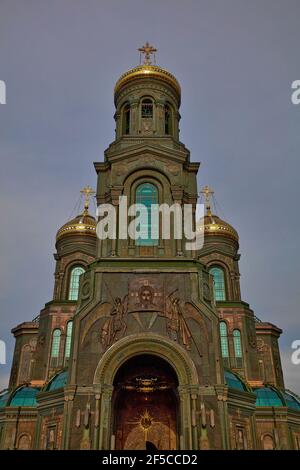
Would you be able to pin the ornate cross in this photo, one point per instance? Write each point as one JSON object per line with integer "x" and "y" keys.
{"x": 208, "y": 193}
{"x": 87, "y": 191}
{"x": 147, "y": 50}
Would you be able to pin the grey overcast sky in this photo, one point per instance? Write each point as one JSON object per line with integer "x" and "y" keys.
{"x": 235, "y": 60}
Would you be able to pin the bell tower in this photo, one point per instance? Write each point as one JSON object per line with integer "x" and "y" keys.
{"x": 147, "y": 101}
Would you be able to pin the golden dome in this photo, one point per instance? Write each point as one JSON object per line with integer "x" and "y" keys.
{"x": 146, "y": 71}
{"x": 83, "y": 224}
{"x": 214, "y": 226}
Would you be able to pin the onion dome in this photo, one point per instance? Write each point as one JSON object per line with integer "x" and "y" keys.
{"x": 82, "y": 224}
{"x": 58, "y": 381}
{"x": 147, "y": 70}
{"x": 211, "y": 224}
{"x": 24, "y": 396}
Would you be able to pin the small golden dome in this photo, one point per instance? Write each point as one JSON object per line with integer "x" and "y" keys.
{"x": 214, "y": 226}
{"x": 146, "y": 71}
{"x": 83, "y": 224}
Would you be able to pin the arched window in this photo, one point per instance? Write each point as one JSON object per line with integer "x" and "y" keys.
{"x": 168, "y": 120}
{"x": 147, "y": 195}
{"x": 74, "y": 282}
{"x": 55, "y": 342}
{"x": 68, "y": 340}
{"x": 268, "y": 442}
{"x": 219, "y": 283}
{"x": 147, "y": 108}
{"x": 126, "y": 119}
{"x": 238, "y": 352}
{"x": 24, "y": 442}
{"x": 224, "y": 342}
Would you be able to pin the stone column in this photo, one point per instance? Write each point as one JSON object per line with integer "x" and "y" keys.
{"x": 97, "y": 390}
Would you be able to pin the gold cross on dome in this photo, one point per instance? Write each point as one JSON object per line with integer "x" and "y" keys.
{"x": 208, "y": 193}
{"x": 87, "y": 191}
{"x": 147, "y": 50}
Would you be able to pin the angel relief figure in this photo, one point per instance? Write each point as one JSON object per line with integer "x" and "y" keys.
{"x": 115, "y": 326}
{"x": 177, "y": 327}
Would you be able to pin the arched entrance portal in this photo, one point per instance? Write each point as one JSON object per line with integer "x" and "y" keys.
{"x": 145, "y": 404}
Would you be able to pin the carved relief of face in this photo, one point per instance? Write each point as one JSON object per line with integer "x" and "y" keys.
{"x": 146, "y": 295}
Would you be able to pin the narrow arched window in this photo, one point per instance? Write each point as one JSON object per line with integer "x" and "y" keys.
{"x": 74, "y": 282}
{"x": 126, "y": 119}
{"x": 147, "y": 108}
{"x": 168, "y": 120}
{"x": 268, "y": 442}
{"x": 147, "y": 195}
{"x": 224, "y": 340}
{"x": 237, "y": 343}
{"x": 68, "y": 340}
{"x": 55, "y": 343}
{"x": 219, "y": 283}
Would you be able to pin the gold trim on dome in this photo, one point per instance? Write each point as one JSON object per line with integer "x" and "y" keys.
{"x": 218, "y": 228}
{"x": 76, "y": 228}
{"x": 148, "y": 71}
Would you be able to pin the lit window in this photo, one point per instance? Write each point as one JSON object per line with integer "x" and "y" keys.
{"x": 224, "y": 339}
{"x": 219, "y": 283}
{"x": 237, "y": 343}
{"x": 55, "y": 343}
{"x": 68, "y": 339}
{"x": 147, "y": 195}
{"x": 147, "y": 109}
{"x": 74, "y": 282}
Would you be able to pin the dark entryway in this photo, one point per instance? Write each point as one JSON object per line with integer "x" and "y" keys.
{"x": 145, "y": 404}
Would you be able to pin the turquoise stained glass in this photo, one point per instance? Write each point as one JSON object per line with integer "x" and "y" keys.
{"x": 55, "y": 342}
{"x": 147, "y": 195}
{"x": 234, "y": 382}
{"x": 224, "y": 339}
{"x": 266, "y": 396}
{"x": 237, "y": 343}
{"x": 219, "y": 283}
{"x": 74, "y": 282}
{"x": 24, "y": 396}
{"x": 58, "y": 381}
{"x": 4, "y": 396}
{"x": 68, "y": 339}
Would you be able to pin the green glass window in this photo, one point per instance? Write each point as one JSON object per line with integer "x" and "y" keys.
{"x": 59, "y": 381}
{"x": 224, "y": 339}
{"x": 266, "y": 396}
{"x": 68, "y": 339}
{"x": 237, "y": 343}
{"x": 219, "y": 283}
{"x": 55, "y": 343}
{"x": 147, "y": 195}
{"x": 25, "y": 396}
{"x": 74, "y": 282}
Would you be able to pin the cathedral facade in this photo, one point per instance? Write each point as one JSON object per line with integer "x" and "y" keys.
{"x": 145, "y": 341}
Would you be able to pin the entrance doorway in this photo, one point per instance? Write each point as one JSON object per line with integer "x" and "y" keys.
{"x": 145, "y": 404}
